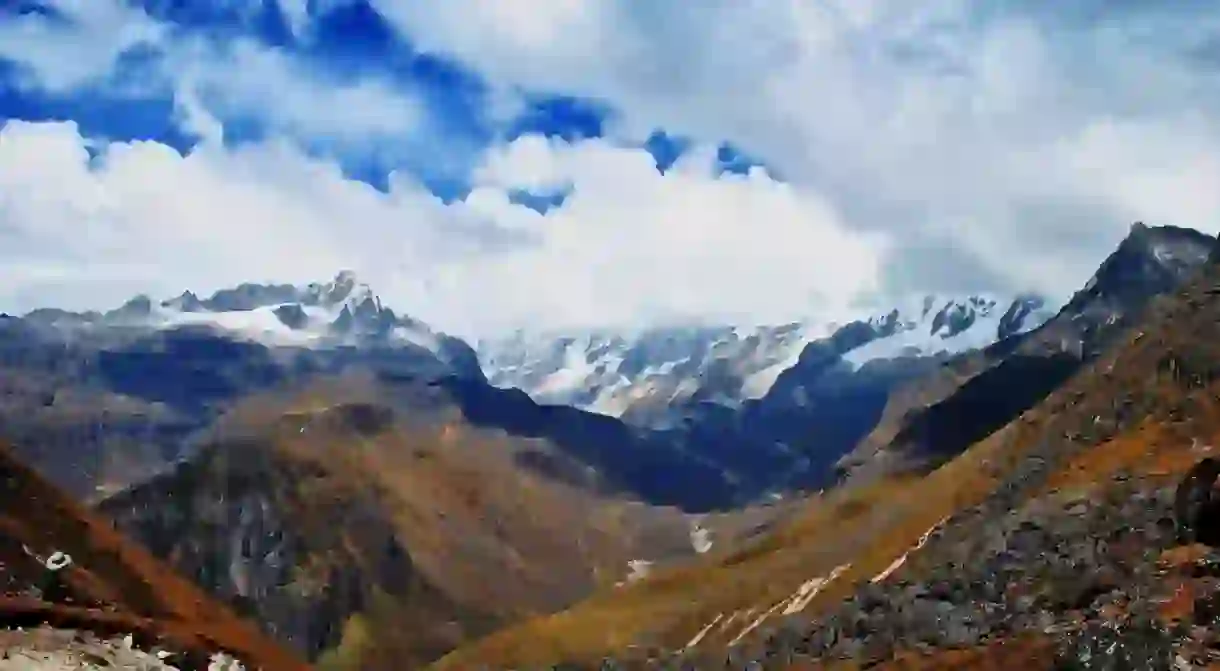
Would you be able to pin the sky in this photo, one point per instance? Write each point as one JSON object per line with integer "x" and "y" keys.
{"x": 562, "y": 164}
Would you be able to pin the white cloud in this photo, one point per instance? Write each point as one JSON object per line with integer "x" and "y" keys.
{"x": 238, "y": 78}
{"x": 244, "y": 79}
{"x": 80, "y": 49}
{"x": 942, "y": 122}
{"x": 926, "y": 146}
{"x": 143, "y": 218}
{"x": 629, "y": 244}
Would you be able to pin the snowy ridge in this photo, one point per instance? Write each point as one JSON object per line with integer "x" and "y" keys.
{"x": 344, "y": 311}
{"x": 617, "y": 374}
{"x": 612, "y": 373}
{"x": 935, "y": 325}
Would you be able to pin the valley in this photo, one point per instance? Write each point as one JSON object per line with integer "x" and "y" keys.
{"x": 364, "y": 489}
{"x": 601, "y": 335}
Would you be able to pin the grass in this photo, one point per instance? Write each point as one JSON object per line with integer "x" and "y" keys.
{"x": 867, "y": 527}
{"x": 354, "y": 644}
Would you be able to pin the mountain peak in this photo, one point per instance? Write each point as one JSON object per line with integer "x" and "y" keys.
{"x": 1150, "y": 258}
{"x": 342, "y": 311}
{"x": 345, "y": 290}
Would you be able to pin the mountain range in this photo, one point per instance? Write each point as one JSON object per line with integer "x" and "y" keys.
{"x": 648, "y": 378}
{"x": 376, "y": 493}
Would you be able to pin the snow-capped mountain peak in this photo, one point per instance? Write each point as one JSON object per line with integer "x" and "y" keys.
{"x": 344, "y": 291}
{"x": 933, "y": 325}
{"x": 626, "y": 375}
{"x": 344, "y": 310}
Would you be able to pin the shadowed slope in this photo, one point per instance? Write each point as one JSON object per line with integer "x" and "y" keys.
{"x": 110, "y": 585}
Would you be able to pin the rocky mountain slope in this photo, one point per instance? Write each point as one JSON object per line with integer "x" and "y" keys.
{"x": 103, "y": 400}
{"x": 1033, "y": 546}
{"x": 64, "y": 567}
{"x": 369, "y": 534}
{"x": 935, "y": 417}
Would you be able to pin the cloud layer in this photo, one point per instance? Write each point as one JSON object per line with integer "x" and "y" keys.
{"x": 910, "y": 147}
{"x": 628, "y": 244}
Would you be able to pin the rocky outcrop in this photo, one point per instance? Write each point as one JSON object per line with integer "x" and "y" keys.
{"x": 1196, "y": 505}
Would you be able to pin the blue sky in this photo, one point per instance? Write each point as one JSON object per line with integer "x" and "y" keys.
{"x": 569, "y": 163}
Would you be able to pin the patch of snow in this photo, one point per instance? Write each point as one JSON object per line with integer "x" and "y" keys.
{"x": 1168, "y": 253}
{"x": 799, "y": 600}
{"x": 639, "y": 568}
{"x": 571, "y": 376}
{"x": 700, "y": 538}
{"x": 897, "y": 563}
{"x": 724, "y": 626}
{"x": 757, "y": 384}
{"x": 320, "y": 304}
{"x": 702, "y": 633}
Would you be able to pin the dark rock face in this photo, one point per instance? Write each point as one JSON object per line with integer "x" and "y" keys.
{"x": 187, "y": 302}
{"x": 293, "y": 316}
{"x": 1014, "y": 319}
{"x": 981, "y": 406}
{"x": 365, "y": 419}
{"x": 245, "y": 297}
{"x": 259, "y": 544}
{"x": 1196, "y": 505}
{"x": 1081, "y": 576}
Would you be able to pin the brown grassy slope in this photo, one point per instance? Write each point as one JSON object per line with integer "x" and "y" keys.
{"x": 111, "y": 585}
{"x": 433, "y": 531}
{"x": 1136, "y": 408}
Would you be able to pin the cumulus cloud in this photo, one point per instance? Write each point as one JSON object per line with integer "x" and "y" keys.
{"x": 961, "y": 128}
{"x": 628, "y": 244}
